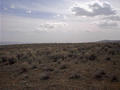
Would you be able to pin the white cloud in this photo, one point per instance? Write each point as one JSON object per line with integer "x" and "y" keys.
{"x": 29, "y": 11}
{"x": 108, "y": 25}
{"x": 51, "y": 26}
{"x": 97, "y": 8}
{"x": 25, "y": 29}
{"x": 23, "y": 24}
{"x": 113, "y": 18}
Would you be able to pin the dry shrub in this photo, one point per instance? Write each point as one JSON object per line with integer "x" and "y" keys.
{"x": 92, "y": 57}
{"x": 44, "y": 76}
{"x": 63, "y": 66}
{"x": 114, "y": 79}
{"x": 74, "y": 75}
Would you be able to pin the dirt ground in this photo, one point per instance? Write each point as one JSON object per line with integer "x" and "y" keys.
{"x": 80, "y": 66}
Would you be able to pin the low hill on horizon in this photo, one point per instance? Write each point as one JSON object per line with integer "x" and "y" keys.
{"x": 13, "y": 43}
{"x": 109, "y": 41}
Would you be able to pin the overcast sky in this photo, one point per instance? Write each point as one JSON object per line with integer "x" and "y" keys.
{"x": 59, "y": 20}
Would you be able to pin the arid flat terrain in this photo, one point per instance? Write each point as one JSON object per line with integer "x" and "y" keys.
{"x": 82, "y": 66}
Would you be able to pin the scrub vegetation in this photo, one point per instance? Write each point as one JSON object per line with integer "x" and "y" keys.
{"x": 59, "y": 66}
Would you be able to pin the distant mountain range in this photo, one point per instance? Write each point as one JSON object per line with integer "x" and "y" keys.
{"x": 10, "y": 43}
{"x": 109, "y": 41}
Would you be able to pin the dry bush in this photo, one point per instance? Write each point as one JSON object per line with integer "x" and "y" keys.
{"x": 23, "y": 70}
{"x": 108, "y": 59}
{"x": 74, "y": 75}
{"x": 44, "y": 76}
{"x": 12, "y": 60}
{"x": 111, "y": 52}
{"x": 100, "y": 75}
{"x": 34, "y": 66}
{"x": 114, "y": 79}
{"x": 63, "y": 66}
{"x": 92, "y": 57}
{"x": 9, "y": 59}
{"x": 47, "y": 69}
{"x": 4, "y": 59}
{"x": 57, "y": 56}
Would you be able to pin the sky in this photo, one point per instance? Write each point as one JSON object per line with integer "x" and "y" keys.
{"x": 59, "y": 21}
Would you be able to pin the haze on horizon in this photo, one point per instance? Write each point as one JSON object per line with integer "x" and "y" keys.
{"x": 41, "y": 21}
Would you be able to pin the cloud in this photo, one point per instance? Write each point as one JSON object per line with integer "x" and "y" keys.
{"x": 12, "y": 6}
{"x": 96, "y": 9}
{"x": 113, "y": 18}
{"x": 108, "y": 24}
{"x": 29, "y": 11}
{"x": 23, "y": 24}
{"x": 50, "y": 26}
{"x": 5, "y": 8}
{"x": 45, "y": 27}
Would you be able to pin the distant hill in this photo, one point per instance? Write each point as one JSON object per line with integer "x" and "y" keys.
{"x": 10, "y": 43}
{"x": 109, "y": 41}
